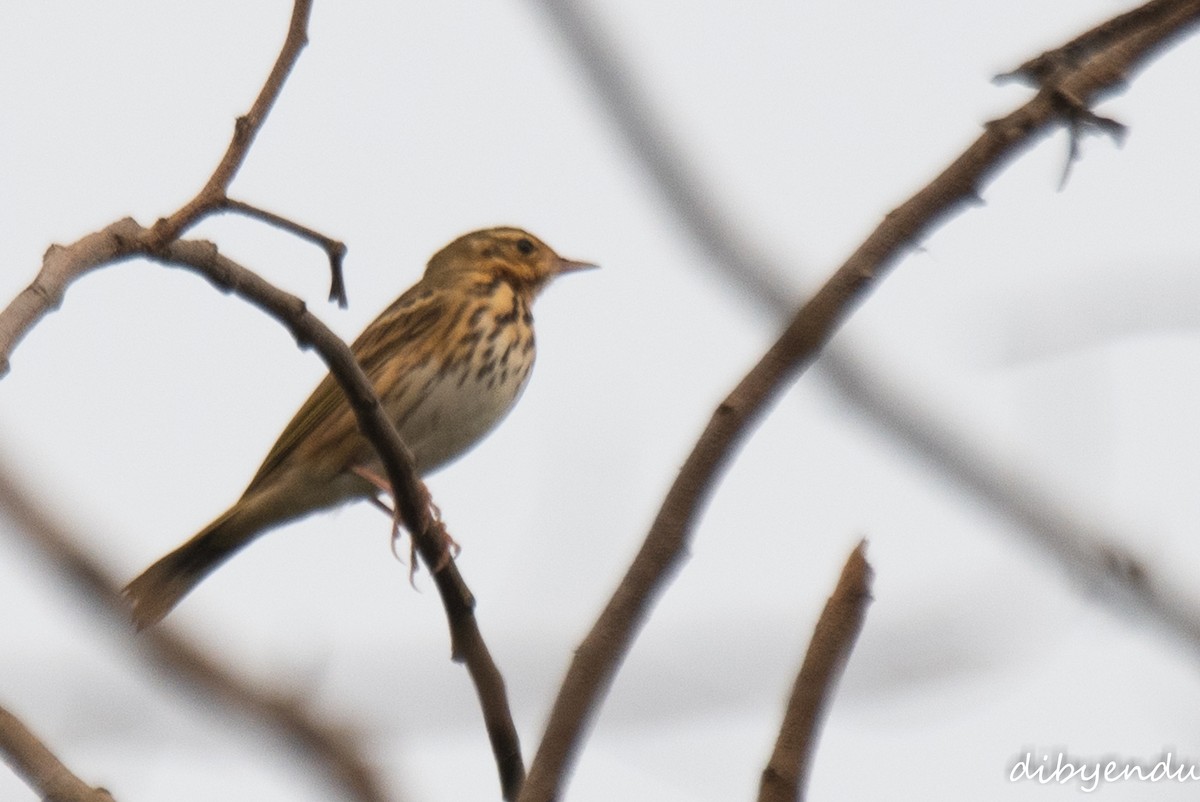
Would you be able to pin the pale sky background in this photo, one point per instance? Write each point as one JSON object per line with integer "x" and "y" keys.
{"x": 1059, "y": 328}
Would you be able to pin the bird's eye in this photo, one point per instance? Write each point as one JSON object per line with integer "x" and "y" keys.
{"x": 525, "y": 246}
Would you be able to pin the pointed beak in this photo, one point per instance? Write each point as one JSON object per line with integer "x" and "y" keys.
{"x": 571, "y": 266}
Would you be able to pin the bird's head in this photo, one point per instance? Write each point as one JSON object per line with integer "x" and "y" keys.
{"x": 506, "y": 253}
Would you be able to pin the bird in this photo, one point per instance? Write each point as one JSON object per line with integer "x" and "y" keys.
{"x": 448, "y": 359}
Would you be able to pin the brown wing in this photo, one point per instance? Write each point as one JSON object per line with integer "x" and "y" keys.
{"x": 326, "y": 419}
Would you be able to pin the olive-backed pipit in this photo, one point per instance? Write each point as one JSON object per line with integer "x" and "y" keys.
{"x": 448, "y": 360}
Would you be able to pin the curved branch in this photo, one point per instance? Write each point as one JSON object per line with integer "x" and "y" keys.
{"x": 955, "y": 189}
{"x": 60, "y": 266}
{"x": 245, "y": 129}
{"x": 125, "y": 238}
{"x": 412, "y": 499}
{"x": 1087, "y": 550}
{"x": 786, "y": 774}
{"x": 40, "y": 768}
{"x": 174, "y": 655}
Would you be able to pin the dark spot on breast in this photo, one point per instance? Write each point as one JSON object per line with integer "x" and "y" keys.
{"x": 510, "y": 316}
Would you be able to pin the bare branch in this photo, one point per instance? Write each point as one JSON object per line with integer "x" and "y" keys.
{"x": 335, "y": 249}
{"x": 1040, "y": 71}
{"x": 328, "y": 745}
{"x": 60, "y": 266}
{"x": 955, "y": 189}
{"x": 244, "y": 131}
{"x": 39, "y": 767}
{"x": 1088, "y": 549}
{"x": 786, "y": 775}
{"x": 1085, "y": 549}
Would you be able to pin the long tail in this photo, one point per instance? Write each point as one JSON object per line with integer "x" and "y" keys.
{"x": 162, "y": 585}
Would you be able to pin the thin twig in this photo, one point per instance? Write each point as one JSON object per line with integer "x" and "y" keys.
{"x": 40, "y": 768}
{"x": 786, "y": 775}
{"x": 948, "y": 450}
{"x": 335, "y": 249}
{"x": 955, "y": 189}
{"x": 328, "y": 745}
{"x": 245, "y": 130}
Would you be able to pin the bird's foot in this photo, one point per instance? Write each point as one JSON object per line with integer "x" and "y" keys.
{"x": 449, "y": 546}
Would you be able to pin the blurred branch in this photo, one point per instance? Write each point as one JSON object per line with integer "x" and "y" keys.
{"x": 181, "y": 661}
{"x": 738, "y": 256}
{"x": 596, "y": 661}
{"x": 786, "y": 775}
{"x": 126, "y": 238}
{"x": 1086, "y": 550}
{"x": 37, "y": 765}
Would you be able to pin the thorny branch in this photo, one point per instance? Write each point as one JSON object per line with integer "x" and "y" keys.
{"x": 1089, "y": 552}
{"x": 955, "y": 189}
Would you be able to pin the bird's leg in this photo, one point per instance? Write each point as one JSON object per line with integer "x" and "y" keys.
{"x": 378, "y": 502}
{"x": 450, "y": 547}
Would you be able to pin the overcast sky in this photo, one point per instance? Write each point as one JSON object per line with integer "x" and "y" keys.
{"x": 1056, "y": 329}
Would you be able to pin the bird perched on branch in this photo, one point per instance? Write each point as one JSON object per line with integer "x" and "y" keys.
{"x": 448, "y": 360}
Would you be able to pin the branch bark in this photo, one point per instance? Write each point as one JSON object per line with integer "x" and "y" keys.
{"x": 40, "y": 768}
{"x": 245, "y": 129}
{"x": 171, "y": 653}
{"x": 1089, "y": 551}
{"x": 596, "y": 661}
{"x": 786, "y": 775}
